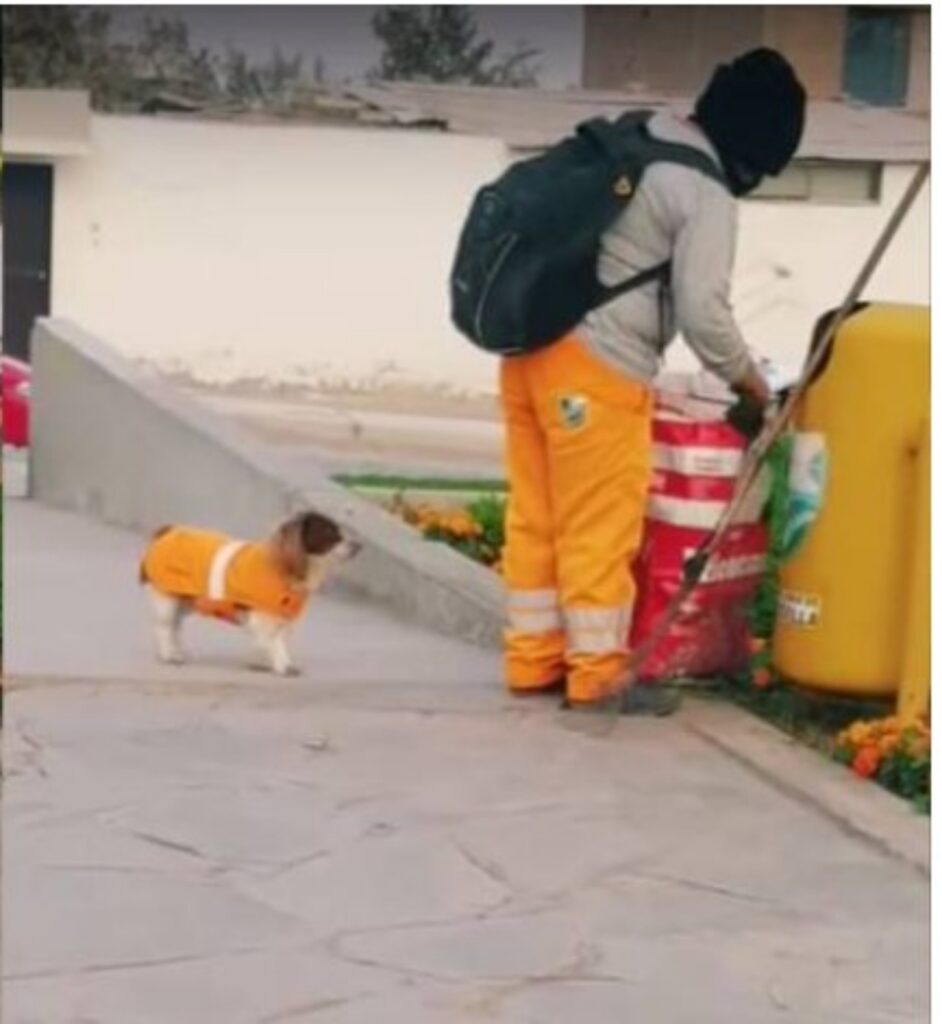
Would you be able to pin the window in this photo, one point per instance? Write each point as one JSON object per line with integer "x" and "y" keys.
{"x": 823, "y": 181}
{"x": 876, "y": 55}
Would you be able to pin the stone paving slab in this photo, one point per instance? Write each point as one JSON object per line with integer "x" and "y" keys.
{"x": 390, "y": 838}
{"x": 266, "y": 856}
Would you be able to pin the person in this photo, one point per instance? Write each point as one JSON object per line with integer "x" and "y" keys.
{"x": 578, "y": 412}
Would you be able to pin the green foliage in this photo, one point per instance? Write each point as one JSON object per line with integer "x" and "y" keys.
{"x": 68, "y": 47}
{"x": 73, "y": 47}
{"x": 440, "y": 43}
{"x": 908, "y": 776}
{"x": 410, "y": 483}
{"x": 489, "y": 512}
{"x": 762, "y": 611}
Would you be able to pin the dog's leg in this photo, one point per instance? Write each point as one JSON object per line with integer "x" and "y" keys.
{"x": 284, "y": 662}
{"x": 168, "y": 614}
{"x": 270, "y": 638}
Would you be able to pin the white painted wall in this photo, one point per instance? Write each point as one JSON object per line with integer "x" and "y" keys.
{"x": 282, "y": 252}
{"x": 316, "y": 254}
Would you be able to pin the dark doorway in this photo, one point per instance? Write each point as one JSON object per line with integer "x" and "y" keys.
{"x": 27, "y": 237}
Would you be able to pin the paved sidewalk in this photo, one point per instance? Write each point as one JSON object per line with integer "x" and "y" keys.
{"x": 390, "y": 839}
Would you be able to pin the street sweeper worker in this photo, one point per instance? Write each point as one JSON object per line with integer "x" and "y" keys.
{"x": 578, "y": 412}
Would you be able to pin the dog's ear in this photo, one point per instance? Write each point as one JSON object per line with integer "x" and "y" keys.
{"x": 289, "y": 549}
{"x": 319, "y": 535}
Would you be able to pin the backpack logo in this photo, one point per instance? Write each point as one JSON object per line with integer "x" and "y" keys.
{"x": 623, "y": 187}
{"x": 573, "y": 411}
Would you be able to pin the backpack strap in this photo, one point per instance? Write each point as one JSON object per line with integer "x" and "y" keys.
{"x": 661, "y": 272}
{"x": 619, "y": 141}
{"x": 629, "y": 145}
{"x": 687, "y": 156}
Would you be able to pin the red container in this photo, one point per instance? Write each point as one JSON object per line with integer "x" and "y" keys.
{"x": 16, "y": 384}
{"x": 696, "y": 464}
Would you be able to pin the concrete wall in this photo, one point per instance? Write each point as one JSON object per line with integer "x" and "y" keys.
{"x": 813, "y": 40}
{"x": 113, "y": 444}
{"x": 293, "y": 254}
{"x": 669, "y": 50}
{"x": 309, "y": 253}
{"x": 673, "y": 50}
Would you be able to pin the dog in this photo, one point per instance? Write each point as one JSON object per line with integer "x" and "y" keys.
{"x": 263, "y": 585}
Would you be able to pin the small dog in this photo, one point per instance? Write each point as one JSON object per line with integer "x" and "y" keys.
{"x": 262, "y": 585}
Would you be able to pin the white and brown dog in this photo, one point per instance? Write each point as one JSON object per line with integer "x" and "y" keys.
{"x": 262, "y": 585}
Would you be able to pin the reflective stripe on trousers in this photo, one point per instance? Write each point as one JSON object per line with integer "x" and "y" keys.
{"x": 597, "y": 630}
{"x": 534, "y": 611}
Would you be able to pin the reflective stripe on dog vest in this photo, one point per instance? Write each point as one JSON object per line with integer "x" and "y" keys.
{"x": 216, "y": 588}
{"x": 534, "y": 611}
{"x": 597, "y": 630}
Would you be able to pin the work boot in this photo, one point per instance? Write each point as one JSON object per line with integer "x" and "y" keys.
{"x": 654, "y": 699}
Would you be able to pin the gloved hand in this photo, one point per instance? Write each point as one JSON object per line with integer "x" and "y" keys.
{"x": 747, "y": 416}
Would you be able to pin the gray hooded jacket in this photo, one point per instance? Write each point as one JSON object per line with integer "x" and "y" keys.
{"x": 681, "y": 215}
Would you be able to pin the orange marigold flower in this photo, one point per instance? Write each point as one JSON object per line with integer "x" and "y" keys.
{"x": 867, "y": 762}
{"x": 761, "y": 678}
{"x": 858, "y": 734}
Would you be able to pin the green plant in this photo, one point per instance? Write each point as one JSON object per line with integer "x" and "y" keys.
{"x": 476, "y": 530}
{"x": 420, "y": 483}
{"x": 762, "y": 610}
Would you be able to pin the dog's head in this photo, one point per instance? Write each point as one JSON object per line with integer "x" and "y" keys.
{"x": 308, "y": 543}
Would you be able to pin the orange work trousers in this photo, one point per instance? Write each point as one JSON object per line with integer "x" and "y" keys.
{"x": 579, "y": 462}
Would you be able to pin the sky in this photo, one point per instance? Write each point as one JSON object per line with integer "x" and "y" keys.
{"x": 342, "y": 36}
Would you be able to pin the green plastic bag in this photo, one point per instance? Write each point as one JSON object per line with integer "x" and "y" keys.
{"x": 807, "y": 483}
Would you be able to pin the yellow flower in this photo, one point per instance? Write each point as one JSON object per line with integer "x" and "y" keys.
{"x": 858, "y": 734}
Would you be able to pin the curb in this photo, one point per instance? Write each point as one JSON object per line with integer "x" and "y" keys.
{"x": 860, "y": 808}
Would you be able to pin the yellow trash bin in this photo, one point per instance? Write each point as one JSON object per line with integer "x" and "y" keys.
{"x": 850, "y": 617}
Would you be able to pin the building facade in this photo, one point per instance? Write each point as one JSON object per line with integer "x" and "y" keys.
{"x": 307, "y": 254}
{"x": 874, "y": 55}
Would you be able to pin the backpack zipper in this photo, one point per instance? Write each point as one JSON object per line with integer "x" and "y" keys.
{"x": 495, "y": 270}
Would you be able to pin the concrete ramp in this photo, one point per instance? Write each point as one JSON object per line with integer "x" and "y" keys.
{"x": 121, "y": 446}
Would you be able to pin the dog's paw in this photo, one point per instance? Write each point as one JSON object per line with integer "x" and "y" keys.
{"x": 287, "y": 671}
{"x": 172, "y": 658}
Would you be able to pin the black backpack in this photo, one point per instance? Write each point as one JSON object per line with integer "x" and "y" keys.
{"x": 525, "y": 271}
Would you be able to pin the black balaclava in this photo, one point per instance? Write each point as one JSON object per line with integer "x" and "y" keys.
{"x": 753, "y": 111}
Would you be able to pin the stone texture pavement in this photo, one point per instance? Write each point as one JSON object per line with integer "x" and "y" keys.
{"x": 390, "y": 839}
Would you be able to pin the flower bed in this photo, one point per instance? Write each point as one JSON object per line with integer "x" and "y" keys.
{"x": 896, "y": 754}
{"x": 476, "y": 530}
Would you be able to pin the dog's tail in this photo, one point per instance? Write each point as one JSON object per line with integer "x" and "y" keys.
{"x": 156, "y": 535}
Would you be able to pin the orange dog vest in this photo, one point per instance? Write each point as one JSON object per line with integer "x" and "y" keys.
{"x": 223, "y": 577}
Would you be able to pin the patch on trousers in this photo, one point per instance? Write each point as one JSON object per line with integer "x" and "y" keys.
{"x": 573, "y": 411}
